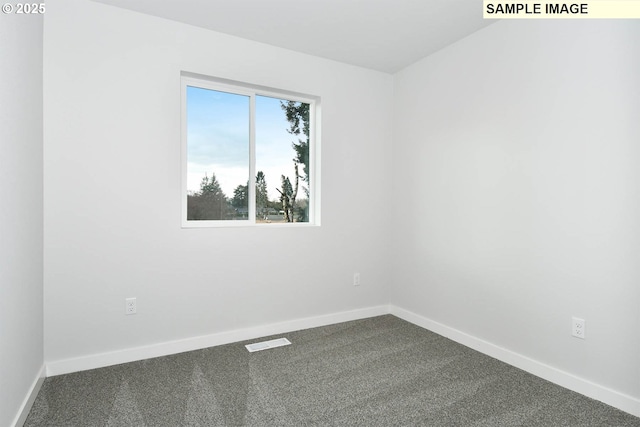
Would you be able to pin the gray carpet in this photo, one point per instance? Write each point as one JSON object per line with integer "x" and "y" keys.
{"x": 381, "y": 371}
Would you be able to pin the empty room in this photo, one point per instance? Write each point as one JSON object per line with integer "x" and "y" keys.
{"x": 443, "y": 228}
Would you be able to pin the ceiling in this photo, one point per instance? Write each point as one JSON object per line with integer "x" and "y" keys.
{"x": 384, "y": 35}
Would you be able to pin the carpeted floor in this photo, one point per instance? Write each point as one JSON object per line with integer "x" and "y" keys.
{"x": 381, "y": 371}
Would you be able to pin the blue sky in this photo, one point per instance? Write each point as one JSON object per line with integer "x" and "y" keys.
{"x": 218, "y": 140}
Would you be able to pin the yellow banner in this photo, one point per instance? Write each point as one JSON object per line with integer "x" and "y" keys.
{"x": 596, "y": 9}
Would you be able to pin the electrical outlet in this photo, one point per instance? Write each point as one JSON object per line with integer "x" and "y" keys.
{"x": 577, "y": 328}
{"x": 130, "y": 306}
{"x": 356, "y": 279}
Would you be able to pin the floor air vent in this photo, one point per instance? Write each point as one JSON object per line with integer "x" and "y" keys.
{"x": 265, "y": 345}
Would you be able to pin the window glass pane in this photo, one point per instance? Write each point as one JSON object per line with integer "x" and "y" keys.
{"x": 217, "y": 155}
{"x": 282, "y": 160}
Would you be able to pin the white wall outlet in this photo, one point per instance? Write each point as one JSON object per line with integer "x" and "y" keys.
{"x": 577, "y": 328}
{"x": 356, "y": 279}
{"x": 130, "y": 306}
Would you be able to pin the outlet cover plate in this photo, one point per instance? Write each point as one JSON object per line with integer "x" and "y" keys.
{"x": 130, "y": 306}
{"x": 578, "y": 328}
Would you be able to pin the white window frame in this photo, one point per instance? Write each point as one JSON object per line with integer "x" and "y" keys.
{"x": 239, "y": 88}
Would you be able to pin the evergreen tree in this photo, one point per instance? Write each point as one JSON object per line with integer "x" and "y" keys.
{"x": 287, "y": 198}
{"x": 210, "y": 203}
{"x": 297, "y": 114}
{"x": 262, "y": 198}
{"x": 240, "y": 197}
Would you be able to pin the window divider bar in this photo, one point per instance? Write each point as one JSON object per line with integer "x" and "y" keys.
{"x": 251, "y": 186}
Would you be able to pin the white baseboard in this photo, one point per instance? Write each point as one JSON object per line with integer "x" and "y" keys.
{"x": 65, "y": 366}
{"x": 23, "y": 412}
{"x": 610, "y": 397}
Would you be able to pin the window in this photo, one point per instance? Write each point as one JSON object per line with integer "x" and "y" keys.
{"x": 249, "y": 155}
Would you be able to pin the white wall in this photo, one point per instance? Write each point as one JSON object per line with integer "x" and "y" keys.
{"x": 112, "y": 194}
{"x": 516, "y": 160}
{"x": 21, "y": 327}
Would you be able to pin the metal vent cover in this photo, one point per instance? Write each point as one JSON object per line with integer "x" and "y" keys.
{"x": 265, "y": 345}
